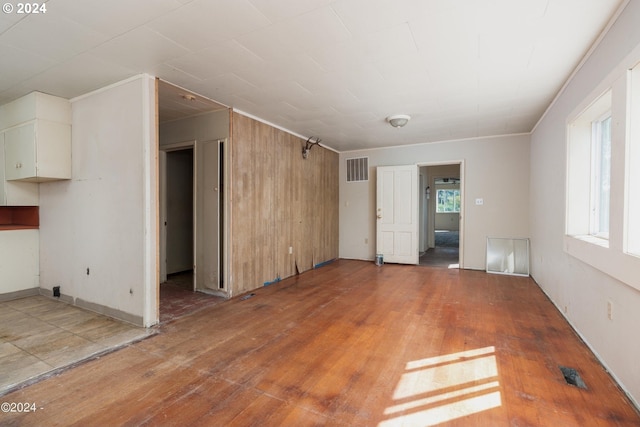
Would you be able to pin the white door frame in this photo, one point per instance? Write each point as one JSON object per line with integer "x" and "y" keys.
{"x": 462, "y": 203}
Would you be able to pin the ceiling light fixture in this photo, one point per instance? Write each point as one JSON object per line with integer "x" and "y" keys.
{"x": 398, "y": 120}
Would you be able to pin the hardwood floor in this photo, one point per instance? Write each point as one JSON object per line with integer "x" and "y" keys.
{"x": 178, "y": 299}
{"x": 348, "y": 344}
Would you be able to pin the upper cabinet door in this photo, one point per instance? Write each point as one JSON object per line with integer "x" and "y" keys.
{"x": 15, "y": 193}
{"x": 38, "y": 151}
{"x": 20, "y": 152}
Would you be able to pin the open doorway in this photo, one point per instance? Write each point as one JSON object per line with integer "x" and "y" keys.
{"x": 441, "y": 215}
{"x": 191, "y": 220}
{"x": 179, "y": 216}
{"x": 192, "y": 132}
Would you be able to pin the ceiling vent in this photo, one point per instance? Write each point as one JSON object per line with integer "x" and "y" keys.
{"x": 358, "y": 169}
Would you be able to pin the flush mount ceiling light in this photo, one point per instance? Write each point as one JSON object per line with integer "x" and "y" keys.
{"x": 398, "y": 120}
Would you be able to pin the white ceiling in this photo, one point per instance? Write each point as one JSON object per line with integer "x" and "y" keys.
{"x": 324, "y": 68}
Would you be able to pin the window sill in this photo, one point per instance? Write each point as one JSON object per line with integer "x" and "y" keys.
{"x": 597, "y": 253}
{"x": 593, "y": 240}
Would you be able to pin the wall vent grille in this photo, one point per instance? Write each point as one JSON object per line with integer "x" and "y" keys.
{"x": 358, "y": 169}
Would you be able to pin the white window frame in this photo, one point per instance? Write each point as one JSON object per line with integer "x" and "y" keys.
{"x": 582, "y": 203}
{"x": 617, "y": 256}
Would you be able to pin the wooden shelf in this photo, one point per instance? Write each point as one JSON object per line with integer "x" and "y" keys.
{"x": 19, "y": 217}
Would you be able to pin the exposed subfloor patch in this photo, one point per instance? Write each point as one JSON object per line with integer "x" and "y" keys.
{"x": 572, "y": 377}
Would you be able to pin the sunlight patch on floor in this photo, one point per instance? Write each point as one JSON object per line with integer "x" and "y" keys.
{"x": 444, "y": 388}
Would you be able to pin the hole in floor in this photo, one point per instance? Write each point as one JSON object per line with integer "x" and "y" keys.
{"x": 247, "y": 297}
{"x": 572, "y": 377}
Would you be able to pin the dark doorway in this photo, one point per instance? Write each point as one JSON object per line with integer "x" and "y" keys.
{"x": 180, "y": 211}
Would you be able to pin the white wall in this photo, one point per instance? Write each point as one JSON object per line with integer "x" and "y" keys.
{"x": 495, "y": 169}
{"x": 103, "y": 220}
{"x": 447, "y": 221}
{"x": 580, "y": 291}
{"x": 205, "y": 127}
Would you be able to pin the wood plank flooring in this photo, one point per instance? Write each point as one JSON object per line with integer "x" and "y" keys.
{"x": 177, "y": 297}
{"x": 348, "y": 344}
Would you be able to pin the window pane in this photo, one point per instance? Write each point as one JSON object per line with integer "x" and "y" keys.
{"x": 448, "y": 201}
{"x": 605, "y": 175}
{"x": 601, "y": 177}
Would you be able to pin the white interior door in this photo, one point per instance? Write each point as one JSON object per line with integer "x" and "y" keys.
{"x": 397, "y": 214}
{"x": 207, "y": 211}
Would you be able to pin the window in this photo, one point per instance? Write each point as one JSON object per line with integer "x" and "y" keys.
{"x": 603, "y": 177}
{"x": 589, "y": 172}
{"x": 448, "y": 201}
{"x": 600, "y": 176}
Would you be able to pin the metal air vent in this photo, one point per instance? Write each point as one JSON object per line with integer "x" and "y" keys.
{"x": 358, "y": 169}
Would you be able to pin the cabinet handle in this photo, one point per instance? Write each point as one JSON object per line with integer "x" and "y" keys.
{"x": 18, "y": 165}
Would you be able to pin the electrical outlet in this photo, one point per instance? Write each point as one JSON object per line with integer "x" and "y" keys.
{"x": 290, "y": 250}
{"x": 609, "y": 310}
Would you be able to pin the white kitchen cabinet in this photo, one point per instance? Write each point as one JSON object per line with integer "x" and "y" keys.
{"x": 38, "y": 151}
{"x": 19, "y": 260}
{"x": 35, "y": 105}
{"x": 37, "y": 138}
{"x": 15, "y": 193}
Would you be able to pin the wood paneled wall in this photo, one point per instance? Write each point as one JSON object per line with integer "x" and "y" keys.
{"x": 279, "y": 200}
